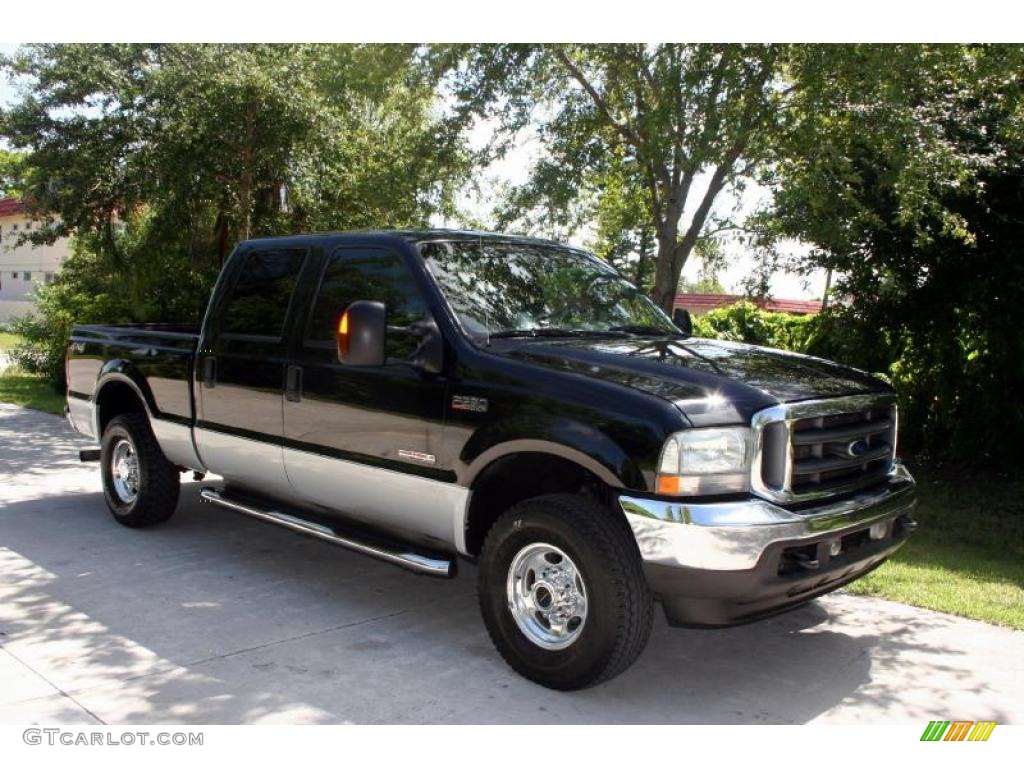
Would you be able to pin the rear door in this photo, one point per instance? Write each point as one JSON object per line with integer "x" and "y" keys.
{"x": 241, "y": 367}
{"x": 361, "y": 440}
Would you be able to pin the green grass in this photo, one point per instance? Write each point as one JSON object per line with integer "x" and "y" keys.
{"x": 8, "y": 341}
{"x": 29, "y": 391}
{"x": 967, "y": 556}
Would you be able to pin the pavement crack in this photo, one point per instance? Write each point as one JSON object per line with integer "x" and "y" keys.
{"x": 55, "y": 687}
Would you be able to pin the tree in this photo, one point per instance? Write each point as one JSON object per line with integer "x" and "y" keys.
{"x": 158, "y": 158}
{"x": 681, "y": 122}
{"x": 215, "y": 143}
{"x": 905, "y": 174}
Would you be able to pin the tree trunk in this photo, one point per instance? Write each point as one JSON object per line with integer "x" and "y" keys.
{"x": 245, "y": 199}
{"x": 643, "y": 264}
{"x": 672, "y": 257}
{"x": 666, "y": 278}
{"x": 221, "y": 228}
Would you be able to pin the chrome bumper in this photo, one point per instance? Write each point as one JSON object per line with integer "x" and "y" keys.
{"x": 733, "y": 536}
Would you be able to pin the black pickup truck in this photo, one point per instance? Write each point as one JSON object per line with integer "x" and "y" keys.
{"x": 429, "y": 396}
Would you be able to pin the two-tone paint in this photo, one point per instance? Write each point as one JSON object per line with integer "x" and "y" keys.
{"x": 402, "y": 449}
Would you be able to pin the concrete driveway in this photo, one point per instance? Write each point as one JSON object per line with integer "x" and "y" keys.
{"x": 214, "y": 618}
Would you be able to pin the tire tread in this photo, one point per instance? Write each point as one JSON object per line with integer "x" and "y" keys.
{"x": 162, "y": 484}
{"x": 614, "y": 540}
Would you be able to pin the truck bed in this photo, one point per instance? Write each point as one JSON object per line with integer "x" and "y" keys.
{"x": 157, "y": 357}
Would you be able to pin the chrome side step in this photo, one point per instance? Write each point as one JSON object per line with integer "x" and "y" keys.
{"x": 412, "y": 560}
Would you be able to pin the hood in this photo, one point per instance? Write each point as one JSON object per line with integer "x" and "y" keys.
{"x": 711, "y": 382}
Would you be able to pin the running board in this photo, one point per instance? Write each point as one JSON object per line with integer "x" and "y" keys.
{"x": 412, "y": 560}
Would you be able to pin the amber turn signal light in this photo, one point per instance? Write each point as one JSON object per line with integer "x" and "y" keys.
{"x": 343, "y": 334}
{"x": 668, "y": 484}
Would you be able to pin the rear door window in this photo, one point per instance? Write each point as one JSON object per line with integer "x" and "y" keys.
{"x": 258, "y": 303}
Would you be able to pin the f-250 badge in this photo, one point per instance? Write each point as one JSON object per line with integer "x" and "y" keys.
{"x": 468, "y": 403}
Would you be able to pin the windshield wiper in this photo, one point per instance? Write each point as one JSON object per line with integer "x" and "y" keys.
{"x": 645, "y": 330}
{"x": 530, "y": 333}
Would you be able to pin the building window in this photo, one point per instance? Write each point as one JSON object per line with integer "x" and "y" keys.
{"x": 14, "y": 227}
{"x": 14, "y": 275}
{"x": 26, "y": 275}
{"x": 48, "y": 277}
{"x": 28, "y": 225}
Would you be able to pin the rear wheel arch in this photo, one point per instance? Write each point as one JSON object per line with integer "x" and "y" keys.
{"x": 116, "y": 395}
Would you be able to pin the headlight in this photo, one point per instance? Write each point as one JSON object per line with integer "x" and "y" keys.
{"x": 702, "y": 462}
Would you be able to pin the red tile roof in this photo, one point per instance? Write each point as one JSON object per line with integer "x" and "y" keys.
{"x": 705, "y": 302}
{"x": 10, "y": 206}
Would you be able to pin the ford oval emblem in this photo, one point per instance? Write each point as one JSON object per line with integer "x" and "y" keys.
{"x": 857, "y": 447}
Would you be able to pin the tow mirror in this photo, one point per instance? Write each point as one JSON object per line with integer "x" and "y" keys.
{"x": 361, "y": 333}
{"x": 682, "y": 320}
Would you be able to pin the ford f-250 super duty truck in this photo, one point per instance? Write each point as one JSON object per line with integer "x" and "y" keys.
{"x": 425, "y": 396}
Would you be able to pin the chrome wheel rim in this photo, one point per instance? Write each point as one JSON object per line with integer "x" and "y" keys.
{"x": 547, "y": 596}
{"x": 124, "y": 469}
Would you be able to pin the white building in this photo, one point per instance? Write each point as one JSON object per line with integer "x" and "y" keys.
{"x": 24, "y": 266}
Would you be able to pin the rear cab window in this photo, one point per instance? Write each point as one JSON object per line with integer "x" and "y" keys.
{"x": 258, "y": 303}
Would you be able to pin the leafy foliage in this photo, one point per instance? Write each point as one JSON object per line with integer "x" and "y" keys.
{"x": 744, "y": 321}
{"x": 905, "y": 172}
{"x": 159, "y": 157}
{"x": 80, "y": 293}
{"x": 651, "y": 132}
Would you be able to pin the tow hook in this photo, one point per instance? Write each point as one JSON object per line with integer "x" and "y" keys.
{"x": 806, "y": 561}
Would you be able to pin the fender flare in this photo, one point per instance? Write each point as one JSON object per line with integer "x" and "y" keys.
{"x": 121, "y": 372}
{"x": 495, "y": 452}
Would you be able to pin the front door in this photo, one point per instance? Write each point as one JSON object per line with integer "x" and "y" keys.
{"x": 364, "y": 441}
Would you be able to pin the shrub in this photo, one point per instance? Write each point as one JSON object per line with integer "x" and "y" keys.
{"x": 744, "y": 321}
{"x": 151, "y": 287}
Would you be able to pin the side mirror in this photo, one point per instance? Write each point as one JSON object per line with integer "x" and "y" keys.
{"x": 682, "y": 320}
{"x": 361, "y": 333}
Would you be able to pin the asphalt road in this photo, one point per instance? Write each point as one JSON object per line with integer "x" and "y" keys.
{"x": 215, "y": 618}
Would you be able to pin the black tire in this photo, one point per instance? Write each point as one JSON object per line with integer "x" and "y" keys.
{"x": 619, "y": 603}
{"x": 158, "y": 483}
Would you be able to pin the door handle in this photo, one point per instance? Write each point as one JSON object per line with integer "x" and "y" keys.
{"x": 293, "y": 383}
{"x": 209, "y": 371}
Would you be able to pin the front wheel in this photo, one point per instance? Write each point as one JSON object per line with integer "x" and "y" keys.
{"x": 563, "y": 593}
{"x": 140, "y": 485}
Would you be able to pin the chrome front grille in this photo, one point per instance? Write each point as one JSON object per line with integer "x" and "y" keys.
{"x": 823, "y": 447}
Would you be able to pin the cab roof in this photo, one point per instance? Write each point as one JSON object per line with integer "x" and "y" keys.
{"x": 412, "y": 235}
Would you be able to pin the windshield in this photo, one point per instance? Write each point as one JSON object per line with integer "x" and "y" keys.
{"x": 511, "y": 289}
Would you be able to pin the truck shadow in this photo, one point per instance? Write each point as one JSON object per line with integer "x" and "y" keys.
{"x": 213, "y": 618}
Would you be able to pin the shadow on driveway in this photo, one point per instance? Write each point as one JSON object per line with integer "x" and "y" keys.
{"x": 214, "y": 618}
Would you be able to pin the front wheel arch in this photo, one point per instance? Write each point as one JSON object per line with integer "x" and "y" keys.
{"x": 515, "y": 476}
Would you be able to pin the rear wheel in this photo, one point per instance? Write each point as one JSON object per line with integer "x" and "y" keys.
{"x": 563, "y": 593}
{"x": 140, "y": 485}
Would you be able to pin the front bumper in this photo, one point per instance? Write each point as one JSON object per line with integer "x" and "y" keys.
{"x": 729, "y": 562}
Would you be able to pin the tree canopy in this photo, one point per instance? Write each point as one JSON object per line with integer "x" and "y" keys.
{"x": 903, "y": 167}
{"x": 663, "y": 128}
{"x": 184, "y": 149}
